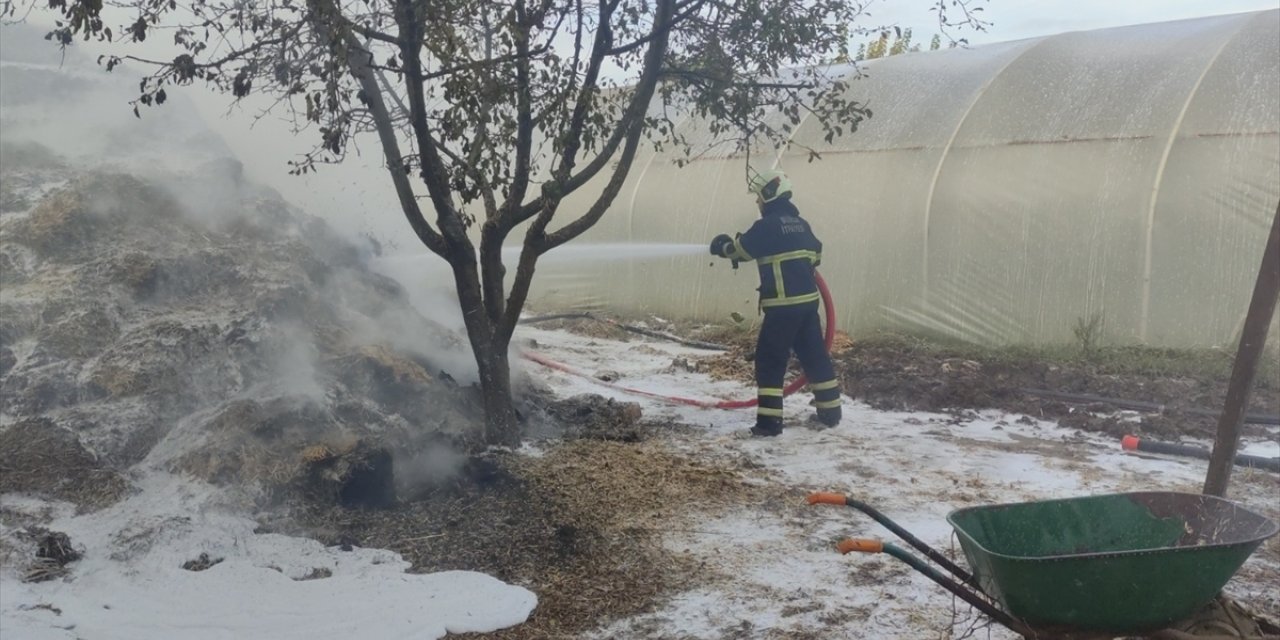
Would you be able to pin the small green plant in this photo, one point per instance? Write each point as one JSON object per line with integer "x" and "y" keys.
{"x": 1088, "y": 332}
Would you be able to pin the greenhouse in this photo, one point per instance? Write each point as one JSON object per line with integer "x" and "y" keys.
{"x": 1119, "y": 182}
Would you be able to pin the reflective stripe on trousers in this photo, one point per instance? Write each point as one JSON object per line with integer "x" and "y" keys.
{"x": 786, "y": 329}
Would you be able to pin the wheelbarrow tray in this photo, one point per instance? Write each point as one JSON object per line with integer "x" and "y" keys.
{"x": 1119, "y": 562}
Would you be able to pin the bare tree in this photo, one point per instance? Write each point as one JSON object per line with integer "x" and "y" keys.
{"x": 491, "y": 112}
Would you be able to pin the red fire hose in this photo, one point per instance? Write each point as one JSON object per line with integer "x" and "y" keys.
{"x": 830, "y": 315}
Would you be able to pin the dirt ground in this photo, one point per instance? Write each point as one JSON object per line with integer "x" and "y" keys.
{"x": 895, "y": 372}
{"x": 581, "y": 522}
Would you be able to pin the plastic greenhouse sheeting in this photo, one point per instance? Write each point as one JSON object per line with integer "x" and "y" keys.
{"x": 1007, "y": 193}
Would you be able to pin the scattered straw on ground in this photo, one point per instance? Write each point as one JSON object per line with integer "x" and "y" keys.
{"x": 727, "y": 366}
{"x": 1223, "y": 618}
{"x": 589, "y": 328}
{"x": 581, "y": 526}
{"x": 54, "y": 552}
{"x": 611, "y": 485}
{"x": 40, "y": 458}
{"x": 841, "y": 344}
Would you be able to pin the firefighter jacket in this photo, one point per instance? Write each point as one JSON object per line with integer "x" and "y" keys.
{"x": 785, "y": 251}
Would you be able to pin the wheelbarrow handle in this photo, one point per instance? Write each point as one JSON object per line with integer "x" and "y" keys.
{"x": 825, "y": 497}
{"x": 972, "y": 596}
{"x": 861, "y": 545}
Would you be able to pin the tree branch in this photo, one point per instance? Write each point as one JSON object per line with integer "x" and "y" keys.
{"x": 537, "y": 241}
{"x": 690, "y": 7}
{"x": 468, "y": 165}
{"x": 586, "y": 92}
{"x": 564, "y": 182}
{"x": 633, "y": 123}
{"x": 558, "y": 103}
{"x": 236, "y": 54}
{"x": 357, "y": 60}
{"x": 372, "y": 34}
{"x": 434, "y": 172}
{"x": 480, "y": 64}
{"x": 524, "y": 128}
{"x": 580, "y": 179}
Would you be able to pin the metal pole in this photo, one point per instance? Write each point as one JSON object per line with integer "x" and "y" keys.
{"x": 1252, "y": 339}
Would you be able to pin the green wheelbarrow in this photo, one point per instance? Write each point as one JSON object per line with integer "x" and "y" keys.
{"x": 1107, "y": 564}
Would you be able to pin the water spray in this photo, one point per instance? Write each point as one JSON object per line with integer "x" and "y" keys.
{"x": 609, "y": 252}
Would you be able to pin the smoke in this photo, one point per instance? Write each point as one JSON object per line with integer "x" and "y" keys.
{"x": 430, "y": 327}
{"x": 69, "y": 106}
{"x": 75, "y": 109}
{"x": 433, "y": 467}
{"x": 305, "y": 295}
{"x": 295, "y": 366}
{"x": 428, "y": 282}
{"x": 83, "y": 115}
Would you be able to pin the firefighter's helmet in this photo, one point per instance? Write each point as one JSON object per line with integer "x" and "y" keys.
{"x": 770, "y": 185}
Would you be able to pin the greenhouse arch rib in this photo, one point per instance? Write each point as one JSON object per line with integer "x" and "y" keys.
{"x": 639, "y": 180}
{"x": 946, "y": 151}
{"x": 1164, "y": 161}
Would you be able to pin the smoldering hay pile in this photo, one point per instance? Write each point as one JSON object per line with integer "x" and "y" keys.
{"x": 245, "y": 345}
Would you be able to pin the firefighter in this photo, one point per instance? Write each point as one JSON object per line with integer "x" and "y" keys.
{"x": 786, "y": 253}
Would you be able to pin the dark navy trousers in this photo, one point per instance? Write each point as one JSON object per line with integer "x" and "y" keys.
{"x": 786, "y": 329}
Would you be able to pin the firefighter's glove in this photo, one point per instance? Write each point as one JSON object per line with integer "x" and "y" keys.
{"x": 720, "y": 245}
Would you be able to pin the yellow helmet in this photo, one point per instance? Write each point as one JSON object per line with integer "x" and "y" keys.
{"x": 770, "y": 185}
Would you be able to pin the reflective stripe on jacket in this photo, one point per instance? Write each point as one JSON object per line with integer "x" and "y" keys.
{"x": 785, "y": 251}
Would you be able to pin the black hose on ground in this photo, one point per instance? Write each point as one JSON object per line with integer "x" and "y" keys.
{"x": 1133, "y": 443}
{"x": 1139, "y": 405}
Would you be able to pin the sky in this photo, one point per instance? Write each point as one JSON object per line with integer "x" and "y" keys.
{"x": 357, "y": 197}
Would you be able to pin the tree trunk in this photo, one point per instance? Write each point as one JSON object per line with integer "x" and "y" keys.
{"x": 501, "y": 426}
{"x": 489, "y": 316}
{"x": 489, "y": 345}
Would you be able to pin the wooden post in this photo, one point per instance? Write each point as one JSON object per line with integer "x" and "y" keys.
{"x": 1252, "y": 339}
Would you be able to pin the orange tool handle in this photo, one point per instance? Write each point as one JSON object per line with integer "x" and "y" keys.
{"x": 824, "y": 497}
{"x": 861, "y": 545}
